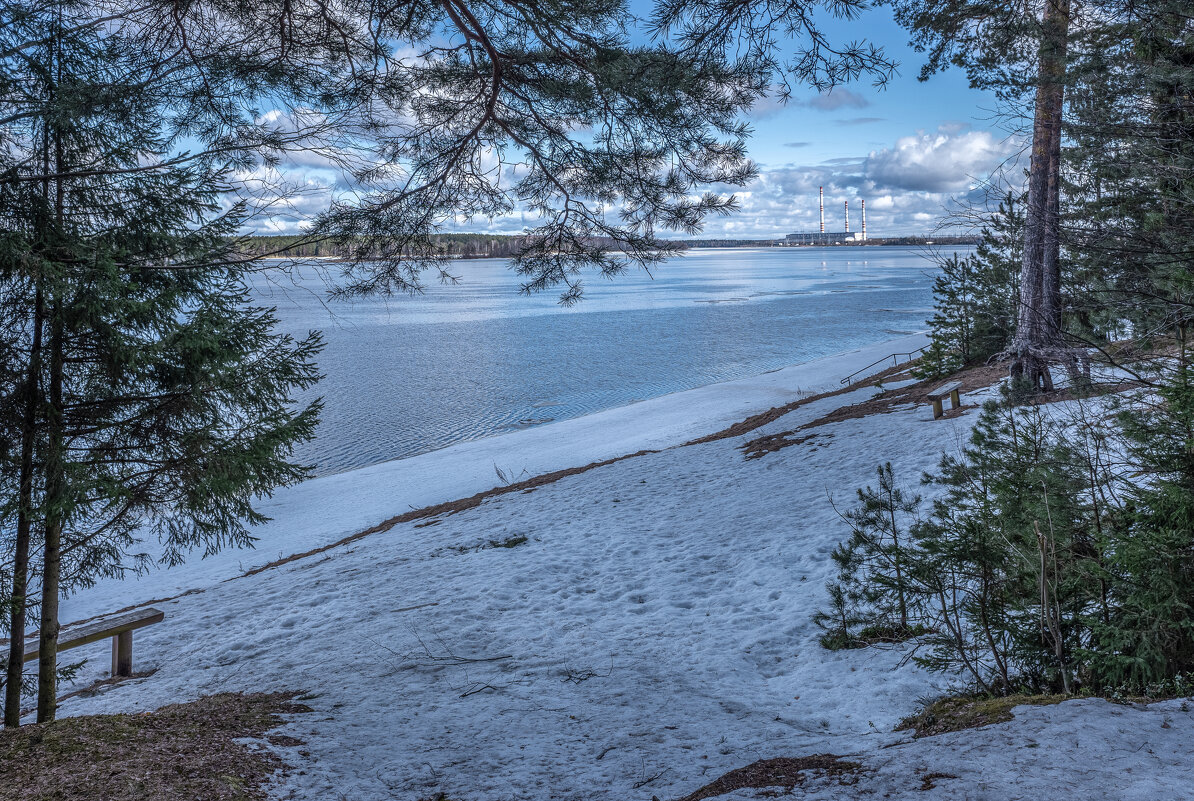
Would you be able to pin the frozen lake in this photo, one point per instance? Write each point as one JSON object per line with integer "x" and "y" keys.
{"x": 408, "y": 375}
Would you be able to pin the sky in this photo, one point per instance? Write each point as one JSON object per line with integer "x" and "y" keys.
{"x": 912, "y": 150}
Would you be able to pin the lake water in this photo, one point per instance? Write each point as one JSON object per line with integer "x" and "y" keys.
{"x": 408, "y": 375}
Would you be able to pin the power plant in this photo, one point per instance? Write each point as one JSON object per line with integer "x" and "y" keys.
{"x": 830, "y": 238}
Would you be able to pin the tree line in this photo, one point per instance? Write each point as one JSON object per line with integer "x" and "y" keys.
{"x": 452, "y": 246}
{"x": 506, "y": 246}
{"x": 1058, "y": 554}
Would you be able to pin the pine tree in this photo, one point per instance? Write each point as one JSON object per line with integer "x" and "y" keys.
{"x": 1003, "y": 578}
{"x": 874, "y": 589}
{"x": 975, "y": 298}
{"x": 163, "y": 396}
{"x": 1021, "y": 51}
{"x": 1010, "y": 536}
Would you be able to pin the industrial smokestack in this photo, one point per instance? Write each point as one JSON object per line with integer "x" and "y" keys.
{"x": 864, "y": 221}
{"x": 821, "y": 189}
{"x": 847, "y": 216}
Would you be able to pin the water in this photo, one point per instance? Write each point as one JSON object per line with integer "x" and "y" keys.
{"x": 412, "y": 374}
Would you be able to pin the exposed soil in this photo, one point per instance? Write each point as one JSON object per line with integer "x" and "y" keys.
{"x": 887, "y": 401}
{"x": 97, "y": 686}
{"x": 771, "y": 415}
{"x": 958, "y": 713}
{"x": 181, "y": 752}
{"x": 972, "y": 379}
{"x": 429, "y": 514}
{"x": 929, "y": 780}
{"x": 785, "y": 772}
{"x": 449, "y": 508}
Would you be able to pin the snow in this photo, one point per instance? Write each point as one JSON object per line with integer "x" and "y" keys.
{"x": 328, "y": 509}
{"x": 1087, "y": 749}
{"x": 652, "y": 633}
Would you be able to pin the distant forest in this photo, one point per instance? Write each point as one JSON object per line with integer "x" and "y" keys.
{"x": 481, "y": 246}
{"x": 464, "y": 246}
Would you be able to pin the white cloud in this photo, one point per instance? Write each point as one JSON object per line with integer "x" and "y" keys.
{"x": 768, "y": 105}
{"x": 907, "y": 187}
{"x": 882, "y": 203}
{"x": 943, "y": 161}
{"x": 837, "y": 98}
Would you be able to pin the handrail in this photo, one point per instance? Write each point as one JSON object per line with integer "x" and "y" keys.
{"x": 895, "y": 357}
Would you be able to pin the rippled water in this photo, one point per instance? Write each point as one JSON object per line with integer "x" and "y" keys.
{"x": 411, "y": 374}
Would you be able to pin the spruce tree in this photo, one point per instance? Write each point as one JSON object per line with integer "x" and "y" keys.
{"x": 1130, "y": 162}
{"x": 975, "y": 298}
{"x": 998, "y": 259}
{"x": 1147, "y": 636}
{"x": 164, "y": 395}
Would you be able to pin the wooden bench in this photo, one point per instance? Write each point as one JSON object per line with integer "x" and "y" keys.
{"x": 951, "y": 389}
{"x": 120, "y": 628}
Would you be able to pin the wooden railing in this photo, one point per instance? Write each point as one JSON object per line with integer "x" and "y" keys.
{"x": 894, "y": 358}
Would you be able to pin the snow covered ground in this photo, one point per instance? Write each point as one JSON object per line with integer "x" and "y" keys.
{"x": 327, "y": 509}
{"x": 652, "y": 632}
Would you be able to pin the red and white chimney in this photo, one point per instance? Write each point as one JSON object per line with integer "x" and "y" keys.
{"x": 847, "y": 216}
{"x": 864, "y": 221}
{"x": 822, "y": 191}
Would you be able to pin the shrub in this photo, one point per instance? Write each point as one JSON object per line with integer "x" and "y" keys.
{"x": 1038, "y": 568}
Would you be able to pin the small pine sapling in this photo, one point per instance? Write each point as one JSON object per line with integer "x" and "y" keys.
{"x": 873, "y": 589}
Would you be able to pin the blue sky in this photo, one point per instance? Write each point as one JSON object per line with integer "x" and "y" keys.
{"x": 912, "y": 150}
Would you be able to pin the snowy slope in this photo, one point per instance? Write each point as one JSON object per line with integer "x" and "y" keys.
{"x": 651, "y": 633}
{"x": 327, "y": 509}
{"x": 1091, "y": 750}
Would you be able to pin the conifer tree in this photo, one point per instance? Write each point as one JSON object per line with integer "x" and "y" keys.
{"x": 1008, "y": 573}
{"x": 1130, "y": 163}
{"x": 1147, "y": 635}
{"x": 976, "y": 297}
{"x": 874, "y": 584}
{"x": 1021, "y": 51}
{"x": 163, "y": 399}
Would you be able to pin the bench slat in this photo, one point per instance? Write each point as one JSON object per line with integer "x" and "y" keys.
{"x": 99, "y": 630}
{"x": 945, "y": 389}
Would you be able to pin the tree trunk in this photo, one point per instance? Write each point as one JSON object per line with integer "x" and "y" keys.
{"x": 1038, "y": 327}
{"x": 20, "y": 561}
{"x": 55, "y": 469}
{"x": 55, "y": 516}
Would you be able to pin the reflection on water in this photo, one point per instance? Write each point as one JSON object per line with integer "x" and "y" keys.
{"x": 411, "y": 374}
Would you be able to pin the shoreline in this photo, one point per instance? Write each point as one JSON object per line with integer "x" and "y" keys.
{"x": 646, "y": 624}
{"x": 676, "y": 585}
{"x": 876, "y": 242}
{"x": 324, "y": 510}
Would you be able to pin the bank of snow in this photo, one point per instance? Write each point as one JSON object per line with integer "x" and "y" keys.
{"x": 633, "y": 631}
{"x": 327, "y": 509}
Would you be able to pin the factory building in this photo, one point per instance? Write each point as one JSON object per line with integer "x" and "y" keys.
{"x": 824, "y": 237}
